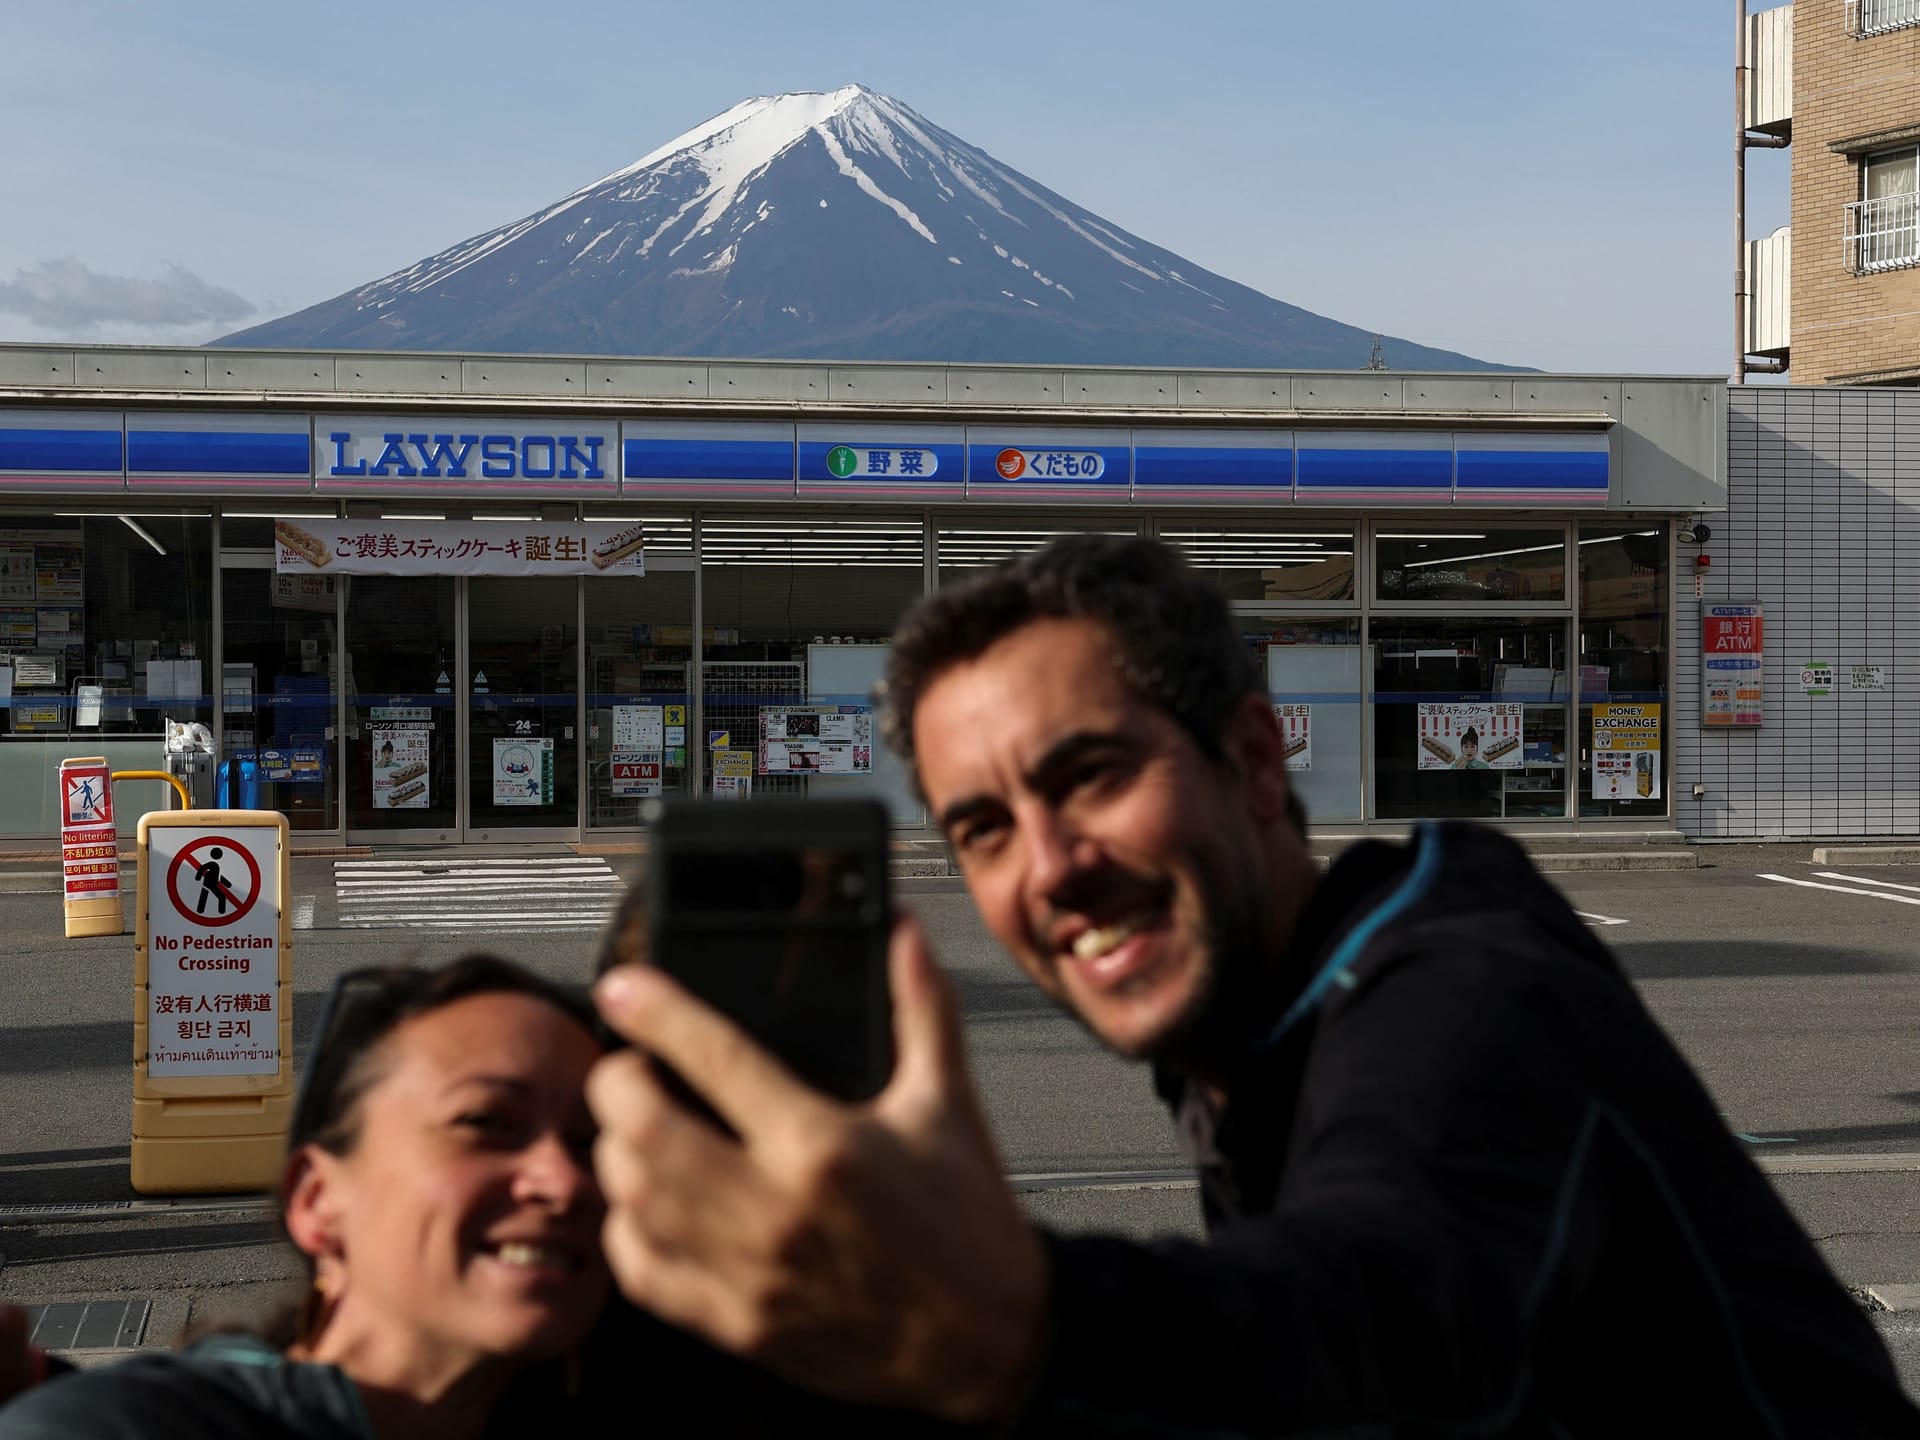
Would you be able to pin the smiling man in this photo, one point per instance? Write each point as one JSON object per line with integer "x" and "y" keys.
{"x": 1457, "y": 1180}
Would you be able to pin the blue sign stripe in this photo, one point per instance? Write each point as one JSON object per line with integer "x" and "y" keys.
{"x": 1584, "y": 470}
{"x": 1418, "y": 470}
{"x": 73, "y": 451}
{"x": 219, "y": 452}
{"x": 1266, "y": 469}
{"x": 1467, "y": 697}
{"x": 657, "y": 458}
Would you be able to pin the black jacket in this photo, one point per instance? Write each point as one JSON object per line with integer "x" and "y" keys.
{"x": 1466, "y": 1187}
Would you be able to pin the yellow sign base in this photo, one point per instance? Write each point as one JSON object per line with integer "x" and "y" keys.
{"x": 87, "y": 918}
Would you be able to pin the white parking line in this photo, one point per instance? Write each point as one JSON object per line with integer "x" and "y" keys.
{"x": 1842, "y": 889}
{"x": 1867, "y": 880}
{"x": 1592, "y": 919}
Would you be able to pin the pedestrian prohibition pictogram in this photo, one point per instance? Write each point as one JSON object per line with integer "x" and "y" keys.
{"x": 213, "y": 881}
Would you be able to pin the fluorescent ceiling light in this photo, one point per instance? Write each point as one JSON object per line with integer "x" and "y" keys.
{"x": 143, "y": 533}
{"x": 1443, "y": 535}
{"x": 421, "y": 516}
{"x": 1484, "y": 555}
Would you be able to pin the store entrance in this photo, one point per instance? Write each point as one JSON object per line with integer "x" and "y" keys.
{"x": 462, "y": 709}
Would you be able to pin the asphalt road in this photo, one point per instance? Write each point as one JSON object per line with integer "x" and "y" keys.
{"x": 1798, "y": 1006}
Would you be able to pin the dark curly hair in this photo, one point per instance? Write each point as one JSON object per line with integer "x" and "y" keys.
{"x": 1174, "y": 643}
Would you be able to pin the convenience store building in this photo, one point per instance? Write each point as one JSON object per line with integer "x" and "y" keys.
{"x": 400, "y": 594}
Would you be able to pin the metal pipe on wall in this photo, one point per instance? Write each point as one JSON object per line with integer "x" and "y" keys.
{"x": 1740, "y": 192}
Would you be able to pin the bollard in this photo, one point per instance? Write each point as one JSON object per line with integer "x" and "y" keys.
{"x": 89, "y": 850}
{"x": 213, "y": 1002}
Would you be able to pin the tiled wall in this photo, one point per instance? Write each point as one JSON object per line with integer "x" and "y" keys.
{"x": 1823, "y": 527}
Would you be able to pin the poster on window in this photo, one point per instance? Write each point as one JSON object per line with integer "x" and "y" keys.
{"x": 634, "y": 774}
{"x": 1626, "y": 752}
{"x": 59, "y": 574}
{"x": 17, "y": 575}
{"x": 523, "y": 770}
{"x": 639, "y": 727}
{"x": 732, "y": 774}
{"x": 400, "y": 767}
{"x": 1470, "y": 737}
{"x": 1296, "y": 732}
{"x": 816, "y": 740}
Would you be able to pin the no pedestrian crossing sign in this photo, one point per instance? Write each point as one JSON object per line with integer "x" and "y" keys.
{"x": 213, "y": 934}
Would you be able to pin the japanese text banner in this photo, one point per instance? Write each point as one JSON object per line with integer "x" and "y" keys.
{"x": 456, "y": 547}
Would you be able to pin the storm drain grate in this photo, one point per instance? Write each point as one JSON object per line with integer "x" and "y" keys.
{"x": 74, "y": 1207}
{"x": 88, "y": 1324}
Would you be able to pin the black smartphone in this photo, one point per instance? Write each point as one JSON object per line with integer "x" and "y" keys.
{"x": 776, "y": 913}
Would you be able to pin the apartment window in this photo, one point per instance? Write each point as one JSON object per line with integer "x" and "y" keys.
{"x": 1883, "y": 225}
{"x": 1874, "y": 17}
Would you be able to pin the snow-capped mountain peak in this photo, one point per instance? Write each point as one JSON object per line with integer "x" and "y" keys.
{"x": 835, "y": 224}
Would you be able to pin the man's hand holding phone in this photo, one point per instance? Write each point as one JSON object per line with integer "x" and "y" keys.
{"x": 869, "y": 1251}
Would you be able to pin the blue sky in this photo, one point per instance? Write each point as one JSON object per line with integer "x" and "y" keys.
{"x": 1543, "y": 184}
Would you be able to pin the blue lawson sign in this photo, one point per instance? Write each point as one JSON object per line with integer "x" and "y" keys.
{"x": 412, "y": 453}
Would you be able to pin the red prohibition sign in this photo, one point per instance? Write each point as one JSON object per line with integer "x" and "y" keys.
{"x": 215, "y": 891}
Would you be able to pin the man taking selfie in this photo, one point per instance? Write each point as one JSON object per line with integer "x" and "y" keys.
{"x": 1456, "y": 1179}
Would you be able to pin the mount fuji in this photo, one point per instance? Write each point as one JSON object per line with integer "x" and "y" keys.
{"x": 840, "y": 225}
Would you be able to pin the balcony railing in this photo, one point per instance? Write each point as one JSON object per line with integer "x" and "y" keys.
{"x": 1871, "y": 17}
{"x": 1883, "y": 234}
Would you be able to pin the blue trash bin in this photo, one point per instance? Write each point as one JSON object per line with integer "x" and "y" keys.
{"x": 239, "y": 791}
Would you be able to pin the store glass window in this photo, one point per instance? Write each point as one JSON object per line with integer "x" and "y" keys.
{"x": 1262, "y": 562}
{"x": 970, "y": 544}
{"x": 1625, "y": 752}
{"x": 105, "y": 636}
{"x": 639, "y": 663}
{"x": 1469, "y": 718}
{"x": 1414, "y": 562}
{"x": 1312, "y": 669}
{"x": 798, "y": 611}
{"x": 277, "y": 695}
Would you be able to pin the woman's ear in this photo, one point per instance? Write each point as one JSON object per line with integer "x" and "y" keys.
{"x": 312, "y": 1187}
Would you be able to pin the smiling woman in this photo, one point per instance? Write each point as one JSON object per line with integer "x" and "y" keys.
{"x": 438, "y": 1182}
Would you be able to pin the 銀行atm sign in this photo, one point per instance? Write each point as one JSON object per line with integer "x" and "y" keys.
{"x": 1732, "y": 659}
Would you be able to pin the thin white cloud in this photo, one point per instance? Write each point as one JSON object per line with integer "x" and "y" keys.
{"x": 65, "y": 296}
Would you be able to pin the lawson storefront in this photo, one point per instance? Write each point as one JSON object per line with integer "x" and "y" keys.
{"x": 487, "y": 617}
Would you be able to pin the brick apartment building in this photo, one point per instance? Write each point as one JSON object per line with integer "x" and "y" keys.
{"x": 1835, "y": 294}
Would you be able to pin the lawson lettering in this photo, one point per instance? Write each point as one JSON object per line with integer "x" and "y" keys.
{"x": 499, "y": 457}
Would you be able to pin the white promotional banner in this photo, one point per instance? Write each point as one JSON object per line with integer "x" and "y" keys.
{"x": 1296, "y": 728}
{"x": 816, "y": 740}
{"x": 310, "y": 545}
{"x": 213, "y": 962}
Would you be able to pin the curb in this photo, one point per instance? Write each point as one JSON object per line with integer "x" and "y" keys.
{"x": 1652, "y": 858}
{"x": 1867, "y": 855}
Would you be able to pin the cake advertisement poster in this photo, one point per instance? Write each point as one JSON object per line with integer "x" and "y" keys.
{"x": 1471, "y": 736}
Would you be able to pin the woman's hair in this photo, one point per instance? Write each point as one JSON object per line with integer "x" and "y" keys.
{"x": 350, "y": 1059}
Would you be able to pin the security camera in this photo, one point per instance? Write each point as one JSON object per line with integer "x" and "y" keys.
{"x": 1698, "y": 533}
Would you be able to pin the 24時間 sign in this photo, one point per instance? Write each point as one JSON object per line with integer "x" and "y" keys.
{"x": 1732, "y": 650}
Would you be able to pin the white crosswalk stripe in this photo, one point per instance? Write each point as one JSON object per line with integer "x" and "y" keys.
{"x": 1851, "y": 888}
{"x": 529, "y": 896}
